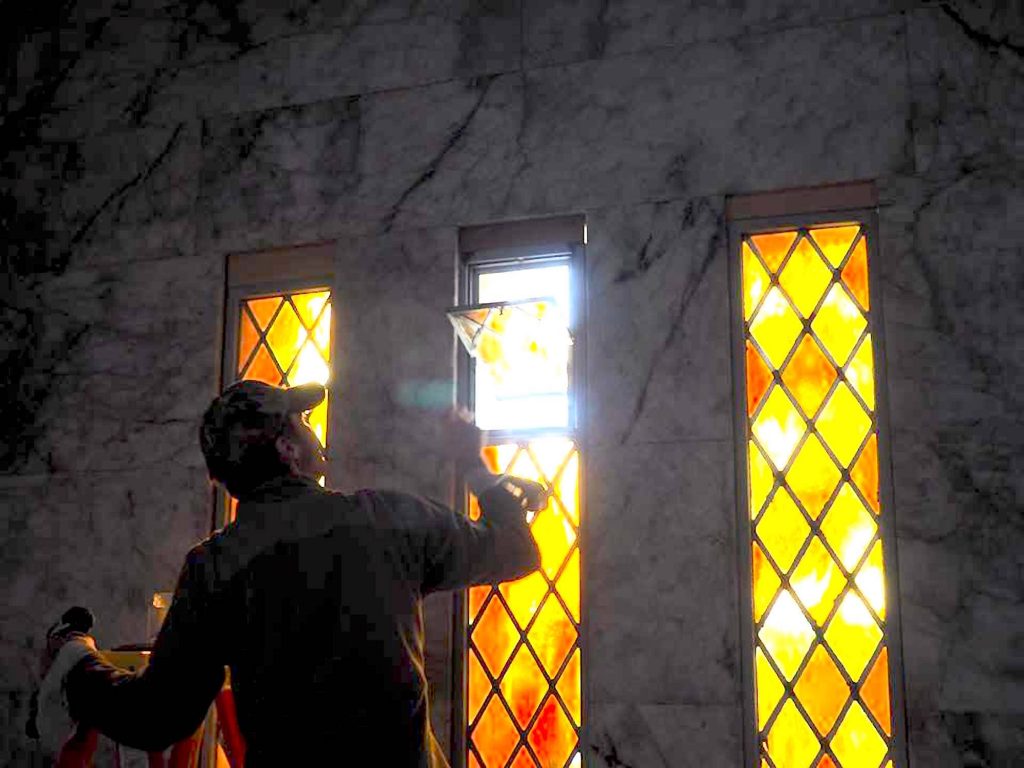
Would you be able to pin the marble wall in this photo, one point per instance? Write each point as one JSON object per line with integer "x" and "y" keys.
{"x": 147, "y": 139}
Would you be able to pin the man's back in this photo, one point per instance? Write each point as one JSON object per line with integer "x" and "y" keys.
{"x": 313, "y": 600}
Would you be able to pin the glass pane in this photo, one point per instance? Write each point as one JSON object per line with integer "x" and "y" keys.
{"x": 786, "y": 634}
{"x": 860, "y": 372}
{"x": 553, "y": 737}
{"x": 247, "y": 338}
{"x": 569, "y": 585}
{"x": 263, "y": 310}
{"x": 843, "y": 424}
{"x": 494, "y": 735}
{"x": 835, "y": 242}
{"x": 775, "y": 327}
{"x": 832, "y": 578}
{"x": 766, "y": 582}
{"x": 848, "y": 527}
{"x": 822, "y": 690}
{"x": 855, "y": 273}
{"x": 495, "y": 636}
{"x": 853, "y": 635}
{"x": 759, "y": 378}
{"x": 805, "y": 277}
{"x": 569, "y": 687}
{"x": 871, "y": 580}
{"x": 523, "y": 686}
{"x": 778, "y": 428}
{"x": 552, "y": 635}
{"x": 755, "y": 281}
{"x": 782, "y": 529}
{"x": 813, "y": 476}
{"x": 838, "y": 324}
{"x": 311, "y": 305}
{"x": 773, "y": 247}
{"x": 769, "y": 688}
{"x": 524, "y": 596}
{"x": 791, "y": 742}
{"x": 479, "y": 686}
{"x": 262, "y": 368}
{"x": 286, "y": 336}
{"x": 809, "y": 375}
{"x": 521, "y": 377}
{"x": 857, "y": 743}
{"x": 817, "y": 581}
{"x": 875, "y": 692}
{"x": 865, "y": 472}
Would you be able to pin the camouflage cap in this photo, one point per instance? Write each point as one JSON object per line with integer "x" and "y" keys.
{"x": 249, "y": 413}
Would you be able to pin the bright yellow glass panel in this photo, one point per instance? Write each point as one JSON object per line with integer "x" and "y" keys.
{"x": 853, "y": 635}
{"x": 822, "y": 690}
{"x": 871, "y": 580}
{"x": 813, "y": 476}
{"x": 766, "y": 582}
{"x": 844, "y": 424}
{"x": 775, "y": 327}
{"x": 769, "y": 688}
{"x": 805, "y": 277}
{"x": 835, "y": 241}
{"x": 791, "y": 742}
{"x": 857, "y": 743}
{"x": 848, "y": 527}
{"x": 755, "y": 281}
{"x": 533, "y": 602}
{"x": 782, "y": 529}
{"x": 817, "y": 581}
{"x": 860, "y": 372}
{"x": 286, "y": 336}
{"x": 786, "y": 634}
{"x": 778, "y": 427}
{"x": 838, "y": 324}
{"x": 762, "y": 478}
{"x": 822, "y": 275}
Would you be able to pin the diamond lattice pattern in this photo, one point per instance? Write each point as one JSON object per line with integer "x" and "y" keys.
{"x": 818, "y": 598}
{"x": 524, "y": 692}
{"x": 285, "y": 340}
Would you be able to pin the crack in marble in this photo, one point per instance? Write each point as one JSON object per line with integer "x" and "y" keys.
{"x": 435, "y": 163}
{"x": 984, "y": 39}
{"x": 696, "y": 280}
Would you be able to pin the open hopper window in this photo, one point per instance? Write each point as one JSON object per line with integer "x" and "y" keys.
{"x": 822, "y": 647}
{"x": 278, "y": 326}
{"x": 521, "y": 658}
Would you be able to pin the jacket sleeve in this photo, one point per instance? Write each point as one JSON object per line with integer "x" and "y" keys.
{"x": 459, "y": 552}
{"x": 168, "y": 700}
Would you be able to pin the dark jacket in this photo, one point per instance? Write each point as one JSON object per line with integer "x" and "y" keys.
{"x": 313, "y": 599}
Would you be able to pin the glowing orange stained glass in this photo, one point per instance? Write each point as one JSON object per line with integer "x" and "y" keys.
{"x": 855, "y": 274}
{"x": 542, "y": 682}
{"x": 759, "y": 378}
{"x": 285, "y": 340}
{"x": 809, "y": 375}
{"x": 773, "y": 247}
{"x": 479, "y": 686}
{"x": 822, "y": 690}
{"x": 496, "y": 731}
{"x": 819, "y": 624}
{"x": 755, "y": 281}
{"x": 875, "y": 692}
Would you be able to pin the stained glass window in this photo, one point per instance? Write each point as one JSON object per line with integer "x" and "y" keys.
{"x": 285, "y": 339}
{"x": 523, "y": 665}
{"x": 821, "y": 665}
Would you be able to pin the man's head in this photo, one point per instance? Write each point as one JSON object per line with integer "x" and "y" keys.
{"x": 254, "y": 432}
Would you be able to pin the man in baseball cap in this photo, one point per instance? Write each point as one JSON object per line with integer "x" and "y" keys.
{"x": 312, "y": 598}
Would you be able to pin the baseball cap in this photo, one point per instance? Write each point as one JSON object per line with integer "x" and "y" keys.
{"x": 251, "y": 412}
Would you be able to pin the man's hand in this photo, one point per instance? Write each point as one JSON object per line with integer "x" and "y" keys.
{"x": 532, "y": 495}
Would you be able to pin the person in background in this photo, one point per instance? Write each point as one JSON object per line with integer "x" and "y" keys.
{"x": 312, "y": 598}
